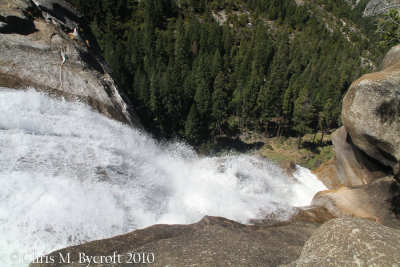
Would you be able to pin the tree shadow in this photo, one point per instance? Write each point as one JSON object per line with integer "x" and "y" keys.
{"x": 235, "y": 144}
{"x": 14, "y": 24}
{"x": 313, "y": 146}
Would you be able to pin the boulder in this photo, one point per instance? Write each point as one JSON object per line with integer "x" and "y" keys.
{"x": 371, "y": 113}
{"x": 371, "y": 201}
{"x": 391, "y": 58}
{"x": 213, "y": 241}
{"x": 46, "y": 45}
{"x": 288, "y": 167}
{"x": 350, "y": 166}
{"x": 351, "y": 242}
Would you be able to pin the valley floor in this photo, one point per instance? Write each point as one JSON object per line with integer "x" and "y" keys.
{"x": 311, "y": 154}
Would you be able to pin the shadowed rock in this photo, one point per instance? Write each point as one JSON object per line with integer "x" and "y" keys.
{"x": 350, "y": 166}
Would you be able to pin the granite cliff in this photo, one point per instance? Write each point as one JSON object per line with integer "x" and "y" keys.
{"x": 46, "y": 45}
{"x": 376, "y": 7}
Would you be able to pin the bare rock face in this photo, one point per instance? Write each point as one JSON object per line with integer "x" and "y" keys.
{"x": 391, "y": 58}
{"x": 371, "y": 201}
{"x": 371, "y": 114}
{"x": 376, "y": 7}
{"x": 46, "y": 44}
{"x": 350, "y": 166}
{"x": 351, "y": 242}
{"x": 213, "y": 241}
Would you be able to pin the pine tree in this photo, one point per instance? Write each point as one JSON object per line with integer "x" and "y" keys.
{"x": 303, "y": 113}
{"x": 219, "y": 103}
{"x": 325, "y": 118}
{"x": 193, "y": 126}
{"x": 250, "y": 93}
{"x": 216, "y": 63}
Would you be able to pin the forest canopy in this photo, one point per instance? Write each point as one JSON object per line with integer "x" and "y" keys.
{"x": 202, "y": 69}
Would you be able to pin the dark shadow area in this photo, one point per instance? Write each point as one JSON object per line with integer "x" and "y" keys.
{"x": 235, "y": 144}
{"x": 68, "y": 17}
{"x": 366, "y": 161}
{"x": 388, "y": 111}
{"x": 384, "y": 148}
{"x": 90, "y": 59}
{"x": 17, "y": 25}
{"x": 395, "y": 200}
{"x": 313, "y": 146}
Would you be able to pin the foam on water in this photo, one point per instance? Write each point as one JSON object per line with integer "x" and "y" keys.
{"x": 69, "y": 175}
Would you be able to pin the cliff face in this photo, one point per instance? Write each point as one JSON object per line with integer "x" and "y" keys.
{"x": 376, "y": 7}
{"x": 46, "y": 44}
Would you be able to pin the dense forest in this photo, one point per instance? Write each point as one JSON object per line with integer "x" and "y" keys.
{"x": 202, "y": 69}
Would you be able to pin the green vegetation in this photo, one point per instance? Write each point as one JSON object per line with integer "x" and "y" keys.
{"x": 389, "y": 28}
{"x": 204, "y": 69}
{"x": 279, "y": 149}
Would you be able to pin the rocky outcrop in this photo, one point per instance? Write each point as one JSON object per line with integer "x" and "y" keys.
{"x": 350, "y": 166}
{"x": 46, "y": 44}
{"x": 371, "y": 201}
{"x": 392, "y": 58}
{"x": 351, "y": 242}
{"x": 367, "y": 148}
{"x": 376, "y": 7}
{"x": 213, "y": 241}
{"x": 288, "y": 167}
{"x": 371, "y": 114}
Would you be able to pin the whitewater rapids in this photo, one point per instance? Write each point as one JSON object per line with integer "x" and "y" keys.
{"x": 70, "y": 175}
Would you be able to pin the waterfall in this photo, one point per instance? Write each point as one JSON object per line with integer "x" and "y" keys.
{"x": 70, "y": 175}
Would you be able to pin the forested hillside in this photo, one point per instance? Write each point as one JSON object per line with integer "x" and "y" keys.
{"x": 201, "y": 69}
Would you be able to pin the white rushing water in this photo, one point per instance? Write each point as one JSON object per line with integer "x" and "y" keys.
{"x": 69, "y": 175}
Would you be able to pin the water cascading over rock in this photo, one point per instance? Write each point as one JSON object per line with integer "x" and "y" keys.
{"x": 47, "y": 45}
